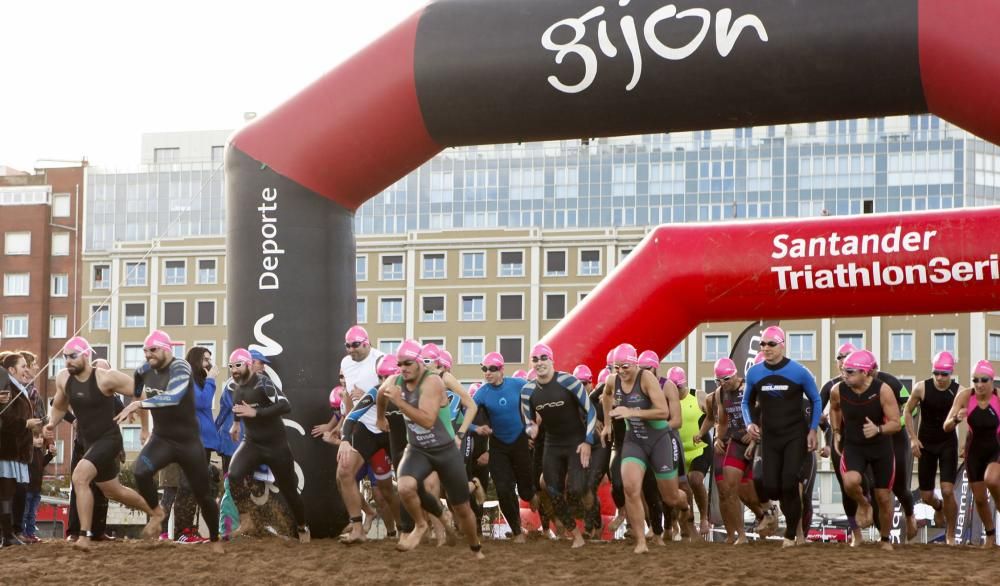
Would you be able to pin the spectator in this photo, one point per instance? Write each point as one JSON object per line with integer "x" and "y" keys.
{"x": 40, "y": 458}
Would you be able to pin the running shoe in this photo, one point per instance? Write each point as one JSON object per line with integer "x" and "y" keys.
{"x": 190, "y": 537}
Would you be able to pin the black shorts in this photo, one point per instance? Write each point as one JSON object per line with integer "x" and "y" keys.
{"x": 703, "y": 462}
{"x": 879, "y": 455}
{"x": 446, "y": 460}
{"x": 367, "y": 443}
{"x": 978, "y": 459}
{"x": 103, "y": 454}
{"x": 943, "y": 455}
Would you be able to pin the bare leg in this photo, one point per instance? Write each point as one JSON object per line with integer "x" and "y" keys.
{"x": 346, "y": 481}
{"x": 950, "y": 511}
{"x": 84, "y": 473}
{"x": 632, "y": 474}
{"x": 408, "y": 496}
{"x": 114, "y": 490}
{"x": 700, "y": 494}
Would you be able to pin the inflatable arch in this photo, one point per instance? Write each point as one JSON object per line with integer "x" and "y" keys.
{"x": 462, "y": 72}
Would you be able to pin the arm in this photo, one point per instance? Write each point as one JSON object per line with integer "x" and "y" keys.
{"x": 279, "y": 403}
{"x": 527, "y": 415}
{"x": 809, "y": 387}
{"x": 709, "y": 417}
{"x": 177, "y": 387}
{"x": 836, "y": 418}
{"x": 60, "y": 403}
{"x": 890, "y": 409}
{"x": 576, "y": 388}
{"x": 912, "y": 404}
{"x": 750, "y": 399}
{"x": 660, "y": 398}
{"x": 360, "y": 408}
{"x": 958, "y": 410}
{"x": 607, "y": 401}
{"x": 673, "y": 397}
{"x": 431, "y": 398}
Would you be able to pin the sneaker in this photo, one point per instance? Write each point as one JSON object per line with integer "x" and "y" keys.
{"x": 189, "y": 537}
{"x": 163, "y": 536}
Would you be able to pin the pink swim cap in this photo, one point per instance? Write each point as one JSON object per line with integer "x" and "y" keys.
{"x": 540, "y": 349}
{"x": 336, "y": 397}
{"x": 611, "y": 357}
{"x": 648, "y": 359}
{"x": 625, "y": 353}
{"x": 860, "y": 360}
{"x": 724, "y": 367}
{"x": 603, "y": 376}
{"x": 430, "y": 352}
{"x": 677, "y": 376}
{"x": 158, "y": 339}
{"x": 520, "y": 374}
{"x": 473, "y": 388}
{"x": 775, "y": 333}
{"x": 240, "y": 355}
{"x": 758, "y": 358}
{"x": 389, "y": 366}
{"x": 78, "y": 345}
{"x": 356, "y": 334}
{"x": 583, "y": 374}
{"x": 408, "y": 350}
{"x": 944, "y": 362}
{"x": 984, "y": 367}
{"x": 845, "y": 349}
{"x": 493, "y": 359}
{"x": 532, "y": 375}
{"x": 445, "y": 360}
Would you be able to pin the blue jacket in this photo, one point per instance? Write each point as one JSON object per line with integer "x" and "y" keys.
{"x": 203, "y": 398}
{"x": 223, "y": 421}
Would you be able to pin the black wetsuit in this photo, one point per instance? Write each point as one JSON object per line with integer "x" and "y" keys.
{"x": 940, "y": 448}
{"x": 97, "y": 431}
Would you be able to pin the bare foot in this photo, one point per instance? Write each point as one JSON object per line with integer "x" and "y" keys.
{"x": 520, "y": 538}
{"x": 706, "y": 528}
{"x": 741, "y": 540}
{"x": 857, "y": 538}
{"x": 885, "y": 546}
{"x": 786, "y": 543}
{"x": 152, "y": 528}
{"x": 83, "y": 543}
{"x": 911, "y": 528}
{"x": 304, "y": 535}
{"x": 641, "y": 548}
{"x": 865, "y": 515}
{"x": 355, "y": 536}
{"x": 657, "y": 540}
{"x": 577, "y": 539}
{"x": 478, "y": 555}
{"x": 412, "y": 539}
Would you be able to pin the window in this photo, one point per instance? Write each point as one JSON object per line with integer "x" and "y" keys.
{"x": 135, "y": 274}
{"x": 218, "y": 153}
{"x": 361, "y": 267}
{"x": 802, "y": 346}
{"x": 15, "y": 326}
{"x": 173, "y": 313}
{"x": 439, "y": 342}
{"x": 434, "y": 266}
{"x": 473, "y": 265}
{"x": 170, "y": 155}
{"x": 473, "y": 308}
{"x": 511, "y": 349}
{"x": 174, "y": 272}
{"x": 555, "y": 263}
{"x": 132, "y": 356}
{"x": 471, "y": 350}
{"x": 512, "y": 263}
{"x": 432, "y": 308}
{"x": 362, "y": 316}
{"x": 60, "y": 285}
{"x": 709, "y": 385}
{"x": 392, "y": 268}
{"x": 60, "y": 205}
{"x": 102, "y": 277}
{"x": 675, "y": 355}
{"x": 555, "y": 305}
{"x": 994, "y": 347}
{"x": 131, "y": 438}
{"x": 511, "y": 306}
{"x": 17, "y": 243}
{"x": 56, "y": 364}
{"x": 135, "y": 315}
{"x": 100, "y": 317}
{"x": 16, "y": 284}
{"x": 207, "y": 271}
{"x": 590, "y": 263}
{"x": 206, "y": 313}
{"x": 57, "y": 326}
{"x": 623, "y": 253}
{"x": 855, "y": 338}
{"x": 177, "y": 348}
{"x": 390, "y": 310}
{"x": 942, "y": 341}
{"x": 389, "y": 346}
{"x": 60, "y": 244}
{"x": 100, "y": 352}
{"x": 901, "y": 346}
{"x": 716, "y": 347}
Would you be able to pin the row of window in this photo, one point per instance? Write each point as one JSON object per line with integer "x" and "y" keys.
{"x": 19, "y": 285}
{"x": 472, "y": 307}
{"x": 61, "y": 207}
{"x": 433, "y": 265}
{"x": 173, "y": 154}
{"x": 19, "y": 243}
{"x": 174, "y": 273}
{"x": 133, "y": 316}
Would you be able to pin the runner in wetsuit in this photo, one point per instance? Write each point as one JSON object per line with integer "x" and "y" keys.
{"x": 90, "y": 392}
{"x": 258, "y": 406}
{"x": 165, "y": 387}
{"x": 560, "y": 401}
{"x": 420, "y": 395}
{"x": 777, "y": 386}
{"x": 934, "y": 447}
{"x": 980, "y": 407}
{"x": 697, "y": 462}
{"x": 863, "y": 414}
{"x": 600, "y": 455}
{"x": 641, "y": 401}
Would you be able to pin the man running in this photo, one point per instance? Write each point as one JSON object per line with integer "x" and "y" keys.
{"x": 560, "y": 401}
{"x": 420, "y": 395}
{"x": 936, "y": 450}
{"x": 697, "y": 462}
{"x": 510, "y": 455}
{"x": 258, "y": 405}
{"x": 90, "y": 392}
{"x": 166, "y": 388}
{"x": 863, "y": 414}
{"x": 777, "y": 386}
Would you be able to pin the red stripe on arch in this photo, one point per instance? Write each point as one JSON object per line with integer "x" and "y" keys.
{"x": 354, "y": 131}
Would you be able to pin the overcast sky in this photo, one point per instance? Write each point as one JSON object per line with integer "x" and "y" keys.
{"x": 88, "y": 78}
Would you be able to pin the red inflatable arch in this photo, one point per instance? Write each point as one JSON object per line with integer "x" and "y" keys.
{"x": 472, "y": 72}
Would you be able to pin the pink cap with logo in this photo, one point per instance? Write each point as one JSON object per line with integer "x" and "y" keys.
{"x": 388, "y": 366}
{"x": 775, "y": 333}
{"x": 677, "y": 376}
{"x": 473, "y": 388}
{"x": 625, "y": 353}
{"x": 860, "y": 360}
{"x": 445, "y": 360}
{"x": 335, "y": 397}
{"x": 408, "y": 350}
{"x": 520, "y": 374}
{"x": 603, "y": 376}
{"x": 540, "y": 349}
{"x": 648, "y": 359}
{"x": 430, "y": 352}
{"x": 845, "y": 349}
{"x": 493, "y": 359}
{"x": 77, "y": 345}
{"x": 984, "y": 367}
{"x": 158, "y": 339}
{"x": 356, "y": 334}
{"x": 582, "y": 373}
{"x": 240, "y": 355}
{"x": 724, "y": 367}
{"x": 944, "y": 362}
{"x": 611, "y": 357}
